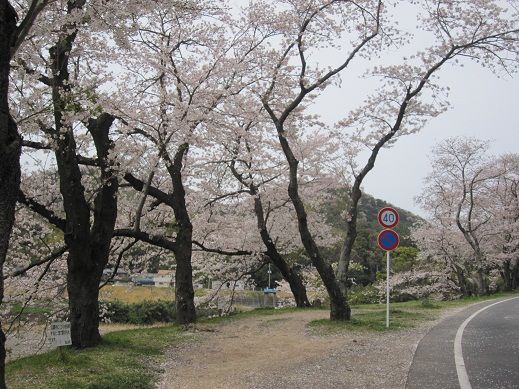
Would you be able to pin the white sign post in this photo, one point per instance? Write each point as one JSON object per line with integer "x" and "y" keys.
{"x": 387, "y": 288}
{"x": 388, "y": 240}
{"x": 59, "y": 334}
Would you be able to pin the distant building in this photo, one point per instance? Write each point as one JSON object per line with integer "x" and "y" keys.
{"x": 121, "y": 277}
{"x": 164, "y": 278}
{"x": 142, "y": 279}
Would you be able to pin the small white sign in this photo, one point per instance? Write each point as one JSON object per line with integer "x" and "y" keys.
{"x": 59, "y": 334}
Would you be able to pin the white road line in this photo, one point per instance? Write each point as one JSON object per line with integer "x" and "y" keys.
{"x": 463, "y": 377}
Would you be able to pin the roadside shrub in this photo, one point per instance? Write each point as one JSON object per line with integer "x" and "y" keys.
{"x": 146, "y": 312}
{"x": 420, "y": 284}
{"x": 115, "y": 312}
{"x": 149, "y": 312}
{"x": 359, "y": 294}
{"x": 428, "y": 303}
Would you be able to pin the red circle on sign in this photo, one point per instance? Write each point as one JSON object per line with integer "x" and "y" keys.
{"x": 388, "y": 217}
{"x": 388, "y": 240}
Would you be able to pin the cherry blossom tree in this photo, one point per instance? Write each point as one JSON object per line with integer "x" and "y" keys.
{"x": 410, "y": 95}
{"x": 459, "y": 191}
{"x": 444, "y": 250}
{"x": 254, "y": 163}
{"x": 195, "y": 57}
{"x": 503, "y": 204}
{"x": 12, "y": 35}
{"x": 407, "y": 97}
{"x": 291, "y": 79}
{"x": 55, "y": 91}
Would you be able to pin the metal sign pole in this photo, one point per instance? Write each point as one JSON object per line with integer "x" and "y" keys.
{"x": 387, "y": 290}
{"x": 388, "y": 240}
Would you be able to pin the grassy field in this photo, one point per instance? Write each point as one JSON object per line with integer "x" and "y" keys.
{"x": 372, "y": 317}
{"x": 134, "y": 294}
{"x": 131, "y": 358}
{"x": 125, "y": 359}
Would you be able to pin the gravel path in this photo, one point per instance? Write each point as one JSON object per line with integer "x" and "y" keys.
{"x": 279, "y": 352}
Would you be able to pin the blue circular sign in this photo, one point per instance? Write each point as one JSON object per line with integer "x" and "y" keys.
{"x": 388, "y": 240}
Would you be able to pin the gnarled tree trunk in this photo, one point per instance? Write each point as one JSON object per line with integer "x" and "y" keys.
{"x": 184, "y": 292}
{"x": 10, "y": 150}
{"x": 339, "y": 307}
{"x": 289, "y": 273}
{"x": 88, "y": 245}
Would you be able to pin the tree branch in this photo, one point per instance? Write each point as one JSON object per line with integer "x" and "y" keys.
{"x": 50, "y": 258}
{"x": 43, "y": 211}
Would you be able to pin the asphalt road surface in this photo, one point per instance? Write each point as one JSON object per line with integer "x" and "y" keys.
{"x": 476, "y": 348}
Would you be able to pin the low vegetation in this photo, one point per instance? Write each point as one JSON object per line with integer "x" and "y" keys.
{"x": 134, "y": 294}
{"x": 125, "y": 359}
{"x": 372, "y": 317}
{"x": 145, "y": 312}
{"x": 131, "y": 358}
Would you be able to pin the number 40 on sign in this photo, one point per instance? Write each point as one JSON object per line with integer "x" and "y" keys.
{"x": 388, "y": 217}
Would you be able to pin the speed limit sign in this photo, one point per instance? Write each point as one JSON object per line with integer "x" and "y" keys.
{"x": 388, "y": 217}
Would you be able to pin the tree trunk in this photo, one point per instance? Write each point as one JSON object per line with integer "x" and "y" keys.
{"x": 462, "y": 281}
{"x": 88, "y": 243}
{"x": 481, "y": 279}
{"x": 349, "y": 241}
{"x": 184, "y": 292}
{"x": 339, "y": 307}
{"x": 10, "y": 150}
{"x": 289, "y": 273}
{"x": 514, "y": 282}
{"x": 510, "y": 274}
{"x": 83, "y": 295}
{"x": 506, "y": 275}
{"x": 9, "y": 186}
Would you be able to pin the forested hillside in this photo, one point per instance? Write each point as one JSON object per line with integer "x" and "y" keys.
{"x": 367, "y": 258}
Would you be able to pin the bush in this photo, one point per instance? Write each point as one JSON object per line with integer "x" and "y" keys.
{"x": 146, "y": 312}
{"x": 428, "y": 303}
{"x": 207, "y": 312}
{"x": 363, "y": 295}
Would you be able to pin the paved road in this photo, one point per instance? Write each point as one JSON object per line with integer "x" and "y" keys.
{"x": 489, "y": 344}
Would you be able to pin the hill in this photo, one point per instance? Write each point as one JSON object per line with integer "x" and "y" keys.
{"x": 368, "y": 211}
{"x": 367, "y": 258}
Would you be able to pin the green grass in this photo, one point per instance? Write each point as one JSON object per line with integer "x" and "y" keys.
{"x": 372, "y": 317}
{"x": 125, "y": 359}
{"x": 130, "y": 359}
{"x": 16, "y": 308}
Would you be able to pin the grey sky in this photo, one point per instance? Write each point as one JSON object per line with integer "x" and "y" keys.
{"x": 483, "y": 106}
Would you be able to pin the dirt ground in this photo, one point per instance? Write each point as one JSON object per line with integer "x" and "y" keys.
{"x": 280, "y": 352}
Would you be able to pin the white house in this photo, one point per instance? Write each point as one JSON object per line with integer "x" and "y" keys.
{"x": 164, "y": 278}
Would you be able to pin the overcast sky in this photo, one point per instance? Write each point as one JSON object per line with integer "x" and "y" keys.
{"x": 482, "y": 105}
